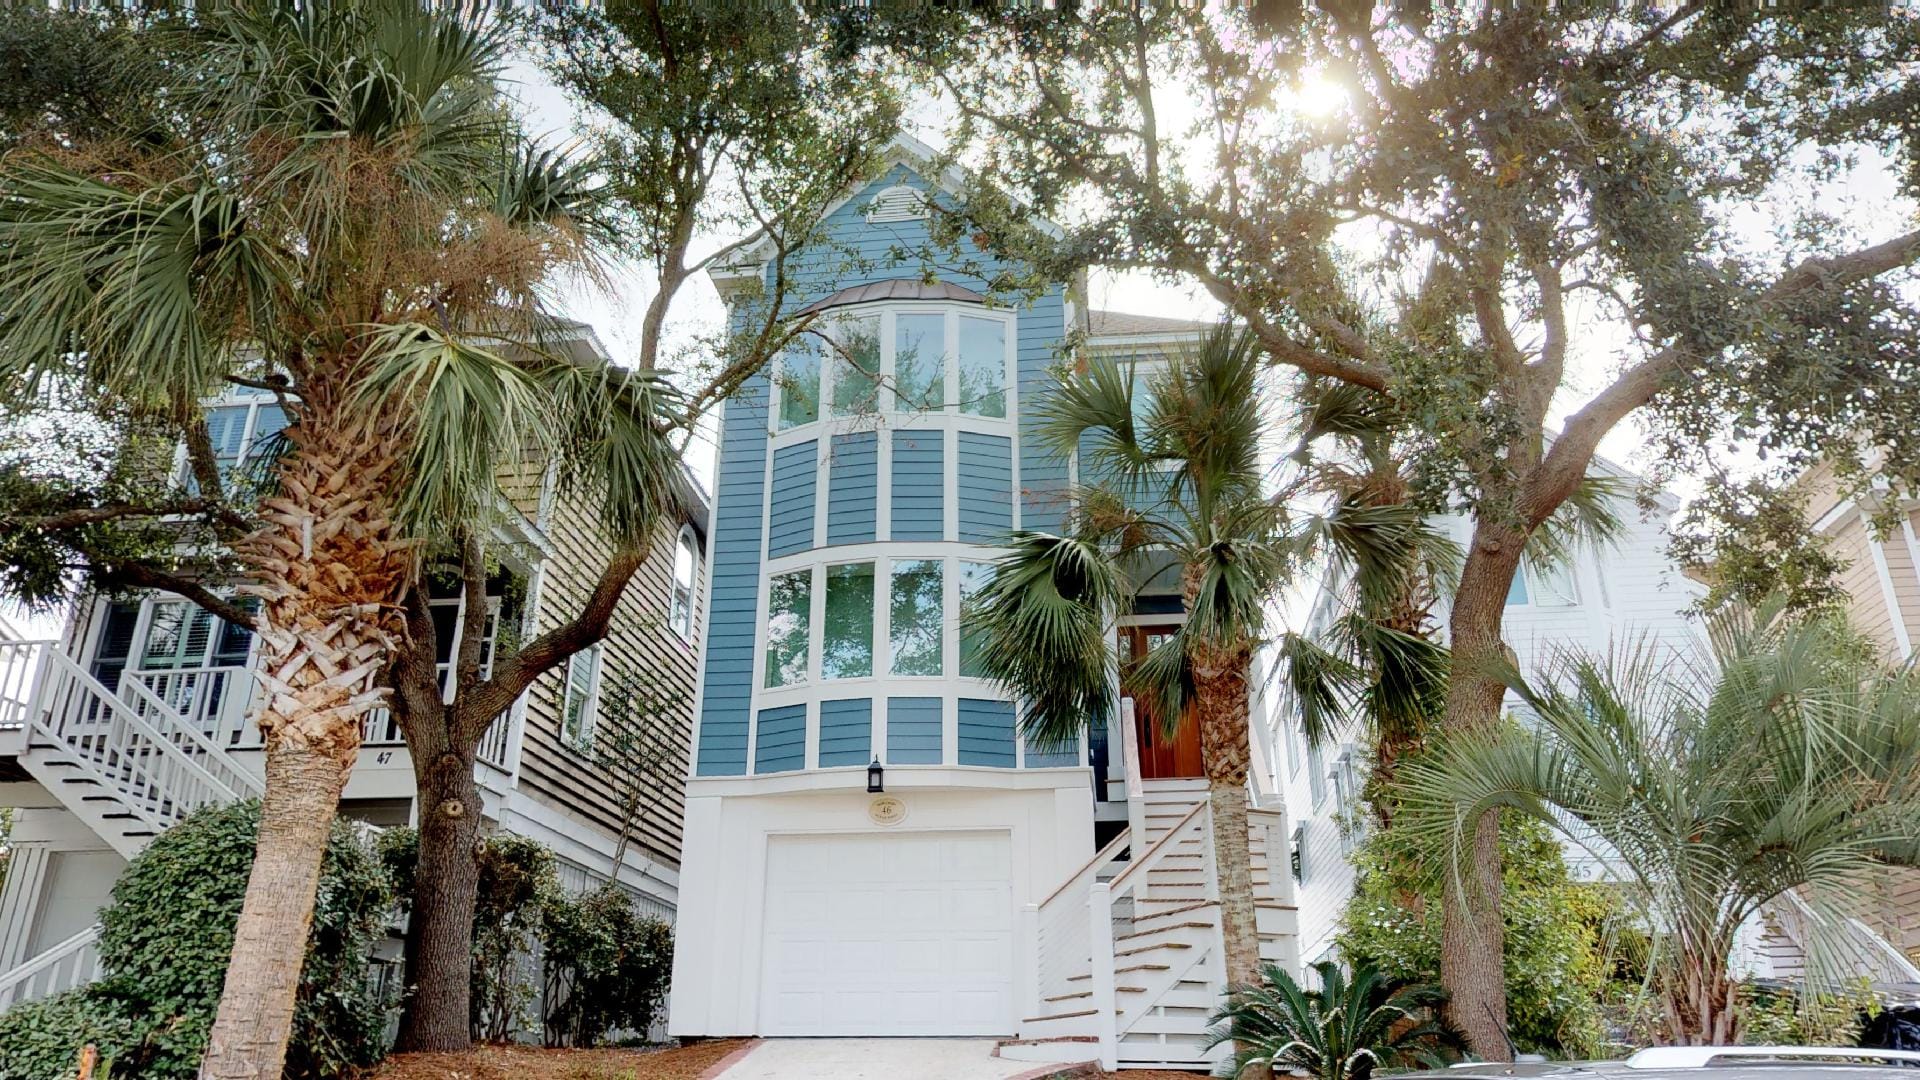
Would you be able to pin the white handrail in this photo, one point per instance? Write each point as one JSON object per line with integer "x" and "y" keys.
{"x": 162, "y": 741}
{"x": 1130, "y": 749}
{"x": 68, "y": 964}
{"x": 1059, "y": 926}
{"x": 1154, "y": 855}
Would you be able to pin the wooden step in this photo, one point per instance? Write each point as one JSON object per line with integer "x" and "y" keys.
{"x": 1129, "y": 969}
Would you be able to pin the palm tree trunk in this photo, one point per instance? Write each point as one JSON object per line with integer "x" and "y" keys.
{"x": 1220, "y": 685}
{"x": 1472, "y": 938}
{"x": 330, "y": 573}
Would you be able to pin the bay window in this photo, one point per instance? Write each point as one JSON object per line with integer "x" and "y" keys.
{"x": 846, "y": 647}
{"x": 789, "y": 611}
{"x": 927, "y": 360}
{"x": 915, "y": 626}
{"x": 983, "y": 367}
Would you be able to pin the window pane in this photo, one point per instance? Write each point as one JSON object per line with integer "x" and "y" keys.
{"x": 226, "y": 428}
{"x": 177, "y": 636}
{"x": 846, "y": 648}
{"x": 799, "y": 380}
{"x": 983, "y": 366}
{"x": 856, "y": 367}
{"x": 919, "y": 361}
{"x": 916, "y": 624}
{"x": 1554, "y": 586}
{"x": 1517, "y": 592}
{"x": 973, "y": 577}
{"x": 789, "y": 606}
{"x": 576, "y": 715}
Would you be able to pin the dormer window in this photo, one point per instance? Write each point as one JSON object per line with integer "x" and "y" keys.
{"x": 897, "y": 203}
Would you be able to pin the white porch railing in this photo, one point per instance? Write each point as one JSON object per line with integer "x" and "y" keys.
{"x": 72, "y": 963}
{"x": 1847, "y": 945}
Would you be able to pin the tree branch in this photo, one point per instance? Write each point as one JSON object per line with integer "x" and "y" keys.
{"x": 139, "y": 575}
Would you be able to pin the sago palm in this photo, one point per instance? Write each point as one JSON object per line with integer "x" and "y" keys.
{"x": 1787, "y": 764}
{"x": 1173, "y": 490}
{"x": 1344, "y": 1030}
{"x": 346, "y": 216}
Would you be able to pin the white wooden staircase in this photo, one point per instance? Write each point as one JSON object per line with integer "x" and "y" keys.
{"x": 1128, "y": 954}
{"x": 128, "y": 765}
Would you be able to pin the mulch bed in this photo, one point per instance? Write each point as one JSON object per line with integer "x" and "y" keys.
{"x": 536, "y": 1063}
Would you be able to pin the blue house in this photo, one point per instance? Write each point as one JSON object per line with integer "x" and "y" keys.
{"x": 870, "y": 846}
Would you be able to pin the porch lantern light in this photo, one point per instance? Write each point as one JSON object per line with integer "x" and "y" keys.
{"x": 874, "y": 783}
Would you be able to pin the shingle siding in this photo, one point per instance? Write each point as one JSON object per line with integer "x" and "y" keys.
{"x": 913, "y": 730}
{"x": 986, "y": 732}
{"x": 781, "y": 743}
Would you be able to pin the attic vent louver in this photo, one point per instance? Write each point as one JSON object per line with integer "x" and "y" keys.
{"x": 899, "y": 203}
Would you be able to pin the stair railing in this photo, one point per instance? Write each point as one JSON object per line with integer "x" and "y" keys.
{"x": 72, "y": 963}
{"x": 1100, "y": 898}
{"x": 1055, "y": 929}
{"x": 160, "y": 771}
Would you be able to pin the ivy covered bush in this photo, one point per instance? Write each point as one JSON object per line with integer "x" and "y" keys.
{"x": 1564, "y": 940}
{"x": 164, "y": 941}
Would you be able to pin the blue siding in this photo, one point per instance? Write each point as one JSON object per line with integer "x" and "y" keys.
{"x": 734, "y": 583}
{"x": 1064, "y": 754}
{"x": 781, "y": 744}
{"x": 790, "y": 511}
{"x": 919, "y": 485}
{"x": 913, "y": 730}
{"x": 1044, "y": 494}
{"x": 985, "y": 487}
{"x": 853, "y": 478}
{"x": 986, "y": 732}
{"x": 846, "y": 732}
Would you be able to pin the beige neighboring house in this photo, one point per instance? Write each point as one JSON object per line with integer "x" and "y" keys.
{"x": 140, "y": 712}
{"x": 1883, "y": 572}
{"x": 1882, "y": 581}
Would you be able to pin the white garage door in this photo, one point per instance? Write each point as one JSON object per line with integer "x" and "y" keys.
{"x": 905, "y": 934}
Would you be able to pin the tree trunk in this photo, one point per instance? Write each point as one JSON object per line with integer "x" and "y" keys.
{"x": 1220, "y": 687}
{"x": 330, "y": 573}
{"x": 1471, "y": 945}
{"x": 439, "y": 949}
{"x": 249, "y": 1038}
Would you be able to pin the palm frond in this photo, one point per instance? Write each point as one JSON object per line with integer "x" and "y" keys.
{"x": 1589, "y": 518}
{"x": 1321, "y": 687}
{"x": 472, "y": 408}
{"x": 613, "y": 439}
{"x": 1042, "y": 623}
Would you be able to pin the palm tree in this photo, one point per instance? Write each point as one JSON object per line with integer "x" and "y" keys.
{"x": 345, "y": 216}
{"x": 1342, "y": 1031}
{"x": 1788, "y": 764}
{"x": 1172, "y": 489}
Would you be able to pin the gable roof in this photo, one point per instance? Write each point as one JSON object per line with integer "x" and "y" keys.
{"x": 745, "y": 257}
{"x": 1124, "y": 323}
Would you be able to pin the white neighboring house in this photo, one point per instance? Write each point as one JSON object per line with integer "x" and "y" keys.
{"x": 139, "y": 712}
{"x": 1628, "y": 594}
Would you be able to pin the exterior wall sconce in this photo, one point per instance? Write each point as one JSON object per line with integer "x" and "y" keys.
{"x": 875, "y": 783}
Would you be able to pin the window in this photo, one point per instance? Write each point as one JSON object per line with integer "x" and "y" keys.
{"x": 799, "y": 380}
{"x": 973, "y": 577}
{"x": 1553, "y": 585}
{"x": 1343, "y": 797}
{"x": 846, "y": 647}
{"x": 1316, "y": 775}
{"x": 855, "y": 350}
{"x": 1517, "y": 592}
{"x": 178, "y": 634}
{"x": 789, "y": 610}
{"x": 1299, "y": 853}
{"x": 983, "y": 366}
{"x": 577, "y": 711}
{"x": 919, "y": 362}
{"x": 915, "y": 625}
{"x": 686, "y": 561}
{"x": 242, "y": 436}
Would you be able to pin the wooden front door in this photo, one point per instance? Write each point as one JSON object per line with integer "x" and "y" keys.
{"x": 1162, "y": 756}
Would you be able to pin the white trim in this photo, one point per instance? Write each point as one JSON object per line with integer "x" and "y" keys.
{"x": 1895, "y": 618}
{"x": 853, "y": 779}
{"x": 1833, "y": 518}
{"x": 1913, "y": 544}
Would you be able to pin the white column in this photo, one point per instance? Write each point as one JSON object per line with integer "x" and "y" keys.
{"x": 20, "y": 901}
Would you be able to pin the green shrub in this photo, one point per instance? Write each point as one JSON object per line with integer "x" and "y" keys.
{"x": 164, "y": 942}
{"x": 516, "y": 878}
{"x": 1772, "y": 1016}
{"x": 41, "y": 1040}
{"x": 1560, "y": 934}
{"x": 606, "y": 967}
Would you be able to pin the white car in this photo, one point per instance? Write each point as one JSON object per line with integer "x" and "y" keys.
{"x": 1698, "y": 1062}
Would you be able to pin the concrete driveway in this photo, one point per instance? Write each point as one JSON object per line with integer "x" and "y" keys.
{"x": 880, "y": 1059}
